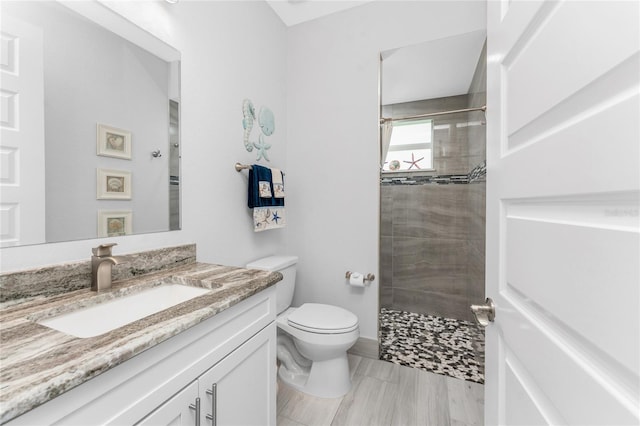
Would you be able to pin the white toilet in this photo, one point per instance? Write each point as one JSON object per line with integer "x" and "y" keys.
{"x": 313, "y": 339}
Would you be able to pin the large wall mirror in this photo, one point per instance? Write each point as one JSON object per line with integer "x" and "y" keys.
{"x": 90, "y": 141}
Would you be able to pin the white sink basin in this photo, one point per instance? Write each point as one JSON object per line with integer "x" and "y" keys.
{"x": 103, "y": 317}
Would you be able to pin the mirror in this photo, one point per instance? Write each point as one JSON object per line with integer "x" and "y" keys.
{"x": 92, "y": 147}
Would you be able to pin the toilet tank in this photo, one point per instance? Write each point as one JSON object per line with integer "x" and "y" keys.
{"x": 286, "y": 265}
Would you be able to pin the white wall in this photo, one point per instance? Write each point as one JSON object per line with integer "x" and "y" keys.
{"x": 230, "y": 50}
{"x": 332, "y": 155}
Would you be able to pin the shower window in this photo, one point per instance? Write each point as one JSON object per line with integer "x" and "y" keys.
{"x": 411, "y": 147}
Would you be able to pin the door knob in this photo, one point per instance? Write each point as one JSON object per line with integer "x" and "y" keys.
{"x": 484, "y": 313}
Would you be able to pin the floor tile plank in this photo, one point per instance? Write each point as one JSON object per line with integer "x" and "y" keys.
{"x": 369, "y": 403}
{"x": 309, "y": 410}
{"x": 405, "y": 409}
{"x": 284, "y": 421}
{"x": 432, "y": 403}
{"x": 378, "y": 369}
{"x": 466, "y": 401}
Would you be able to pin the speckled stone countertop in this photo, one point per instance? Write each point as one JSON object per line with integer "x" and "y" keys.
{"x": 38, "y": 363}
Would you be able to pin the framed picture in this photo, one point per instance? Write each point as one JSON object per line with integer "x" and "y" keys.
{"x": 113, "y": 184}
{"x": 113, "y": 142}
{"x": 114, "y": 223}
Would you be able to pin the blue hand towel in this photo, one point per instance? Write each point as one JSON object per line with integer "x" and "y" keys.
{"x": 268, "y": 211}
{"x": 258, "y": 174}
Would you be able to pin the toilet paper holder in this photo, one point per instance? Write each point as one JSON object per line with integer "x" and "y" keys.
{"x": 368, "y": 277}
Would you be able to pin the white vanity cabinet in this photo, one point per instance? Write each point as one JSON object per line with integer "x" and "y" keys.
{"x": 232, "y": 392}
{"x": 234, "y": 349}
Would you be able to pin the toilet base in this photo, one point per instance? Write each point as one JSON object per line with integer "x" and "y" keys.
{"x": 326, "y": 379}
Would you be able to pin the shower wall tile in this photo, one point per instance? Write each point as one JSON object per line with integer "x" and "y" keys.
{"x": 386, "y": 262}
{"x": 451, "y": 150}
{"x": 426, "y": 106}
{"x": 438, "y": 304}
{"x": 433, "y": 251}
{"x": 402, "y": 201}
{"x": 476, "y": 269}
{"x": 477, "y": 147}
{"x": 475, "y": 253}
{"x": 433, "y": 211}
{"x": 441, "y": 137}
{"x": 475, "y": 293}
{"x": 430, "y": 249}
{"x": 476, "y": 196}
{"x": 434, "y": 264}
{"x": 477, "y": 209}
{"x": 449, "y": 141}
{"x": 451, "y": 165}
{"x": 449, "y": 279}
{"x": 386, "y": 297}
{"x": 386, "y": 210}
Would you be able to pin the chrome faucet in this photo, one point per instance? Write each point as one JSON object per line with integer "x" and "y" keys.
{"x": 101, "y": 263}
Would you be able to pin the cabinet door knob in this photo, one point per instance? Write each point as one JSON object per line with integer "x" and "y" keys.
{"x": 214, "y": 402}
{"x": 196, "y": 408}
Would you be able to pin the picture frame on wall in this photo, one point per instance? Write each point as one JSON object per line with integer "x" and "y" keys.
{"x": 113, "y": 142}
{"x": 113, "y": 184}
{"x": 114, "y": 223}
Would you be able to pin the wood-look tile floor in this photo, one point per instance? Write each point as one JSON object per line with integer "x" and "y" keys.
{"x": 384, "y": 393}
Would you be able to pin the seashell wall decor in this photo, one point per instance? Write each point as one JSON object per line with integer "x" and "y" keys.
{"x": 266, "y": 123}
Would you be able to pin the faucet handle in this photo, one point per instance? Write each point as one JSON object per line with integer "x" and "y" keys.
{"x": 103, "y": 249}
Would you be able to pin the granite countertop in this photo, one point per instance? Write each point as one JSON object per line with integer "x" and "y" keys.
{"x": 38, "y": 363}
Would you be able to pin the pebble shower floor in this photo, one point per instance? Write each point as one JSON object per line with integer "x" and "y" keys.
{"x": 439, "y": 345}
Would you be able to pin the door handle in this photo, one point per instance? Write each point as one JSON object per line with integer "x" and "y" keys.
{"x": 484, "y": 313}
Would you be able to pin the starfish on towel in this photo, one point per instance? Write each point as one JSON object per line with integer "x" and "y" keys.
{"x": 276, "y": 218}
{"x": 413, "y": 162}
{"x": 262, "y": 148}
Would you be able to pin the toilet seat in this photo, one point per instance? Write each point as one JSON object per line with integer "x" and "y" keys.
{"x": 323, "y": 319}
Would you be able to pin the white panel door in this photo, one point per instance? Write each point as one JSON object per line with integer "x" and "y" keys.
{"x": 563, "y": 181}
{"x": 22, "y": 182}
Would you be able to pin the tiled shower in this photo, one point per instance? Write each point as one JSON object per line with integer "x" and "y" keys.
{"x": 432, "y": 240}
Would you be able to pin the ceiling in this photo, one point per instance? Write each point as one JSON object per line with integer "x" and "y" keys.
{"x": 293, "y": 12}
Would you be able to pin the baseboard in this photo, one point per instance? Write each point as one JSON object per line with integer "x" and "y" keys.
{"x": 367, "y": 348}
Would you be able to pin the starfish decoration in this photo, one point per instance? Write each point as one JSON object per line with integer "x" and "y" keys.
{"x": 413, "y": 162}
{"x": 262, "y": 148}
{"x": 276, "y": 218}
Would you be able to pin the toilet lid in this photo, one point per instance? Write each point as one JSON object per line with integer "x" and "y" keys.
{"x": 324, "y": 319}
